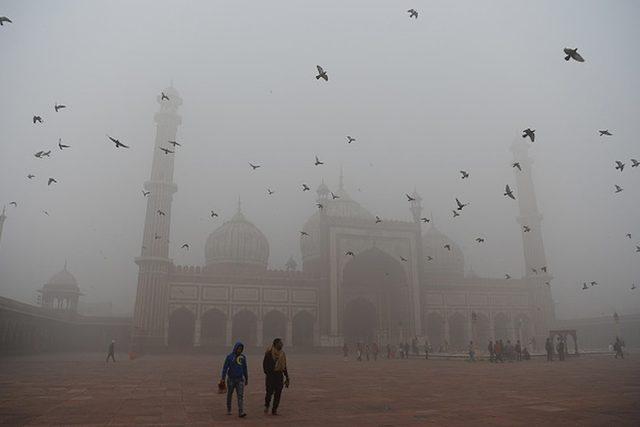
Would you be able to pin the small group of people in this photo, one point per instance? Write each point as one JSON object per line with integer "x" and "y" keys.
{"x": 362, "y": 351}
{"x": 235, "y": 376}
{"x": 501, "y": 352}
{"x": 560, "y": 348}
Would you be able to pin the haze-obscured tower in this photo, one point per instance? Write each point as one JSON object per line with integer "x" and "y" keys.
{"x": 2, "y": 218}
{"x": 535, "y": 259}
{"x": 150, "y": 314}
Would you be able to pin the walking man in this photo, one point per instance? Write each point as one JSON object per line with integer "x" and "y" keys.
{"x": 111, "y": 352}
{"x": 274, "y": 366}
{"x": 548, "y": 346}
{"x": 492, "y": 354}
{"x": 235, "y": 370}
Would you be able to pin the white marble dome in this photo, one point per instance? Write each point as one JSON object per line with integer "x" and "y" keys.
{"x": 62, "y": 280}
{"x": 237, "y": 242}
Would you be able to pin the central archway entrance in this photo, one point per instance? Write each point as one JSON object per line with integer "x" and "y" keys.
{"x": 375, "y": 296}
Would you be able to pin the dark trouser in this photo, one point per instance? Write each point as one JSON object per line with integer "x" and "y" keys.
{"x": 238, "y": 385}
{"x": 273, "y": 384}
{"x": 110, "y": 355}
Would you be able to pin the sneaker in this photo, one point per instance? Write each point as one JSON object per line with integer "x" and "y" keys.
{"x": 274, "y": 412}
{"x": 242, "y": 415}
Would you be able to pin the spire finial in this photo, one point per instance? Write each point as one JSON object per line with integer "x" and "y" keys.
{"x": 341, "y": 182}
{"x": 239, "y": 204}
{"x": 65, "y": 264}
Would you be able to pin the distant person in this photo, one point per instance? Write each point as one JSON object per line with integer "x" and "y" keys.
{"x": 560, "y": 348}
{"x": 388, "y": 351}
{"x": 617, "y": 347}
{"x": 548, "y": 346}
{"x": 375, "y": 350}
{"x": 111, "y": 351}
{"x": 366, "y": 351}
{"x": 345, "y": 351}
{"x": 274, "y": 366}
{"x": 518, "y": 351}
{"x": 492, "y": 352}
{"x": 472, "y": 352}
{"x": 406, "y": 350}
{"x": 426, "y": 350}
{"x": 525, "y": 354}
{"x": 359, "y": 352}
{"x": 235, "y": 371}
{"x": 499, "y": 351}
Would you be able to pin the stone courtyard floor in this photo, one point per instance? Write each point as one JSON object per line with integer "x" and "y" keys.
{"x": 325, "y": 390}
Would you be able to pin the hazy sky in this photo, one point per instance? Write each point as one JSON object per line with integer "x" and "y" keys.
{"x": 424, "y": 98}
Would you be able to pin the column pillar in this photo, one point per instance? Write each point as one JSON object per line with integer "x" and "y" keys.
{"x": 260, "y": 332}
{"x": 229, "y": 331}
{"x": 196, "y": 333}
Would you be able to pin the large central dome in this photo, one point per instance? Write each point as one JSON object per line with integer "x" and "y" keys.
{"x": 237, "y": 245}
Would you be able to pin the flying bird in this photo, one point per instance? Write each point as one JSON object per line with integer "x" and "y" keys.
{"x": 350, "y": 139}
{"x": 61, "y": 145}
{"x": 507, "y": 276}
{"x": 619, "y": 165}
{"x": 117, "y": 142}
{"x": 634, "y": 163}
{"x": 39, "y": 154}
{"x": 185, "y": 246}
{"x": 270, "y": 191}
{"x": 461, "y": 205}
{"x": 548, "y": 283}
{"x": 618, "y": 188}
{"x": 455, "y": 213}
{"x": 58, "y": 107}
{"x": 161, "y": 213}
{"x": 46, "y": 213}
{"x": 534, "y": 271}
{"x": 304, "y": 233}
{"x": 318, "y": 162}
{"x": 594, "y": 283}
{"x": 166, "y": 150}
{"x": 349, "y": 253}
{"x": 403, "y": 259}
{"x": 156, "y": 237}
{"x": 572, "y": 54}
{"x": 629, "y": 235}
{"x": 517, "y": 165}
{"x": 429, "y": 258}
{"x": 46, "y": 154}
{"x": 479, "y": 239}
{"x": 254, "y": 167}
{"x": 213, "y": 214}
{"x": 164, "y": 97}
{"x": 409, "y": 198}
{"x": 334, "y": 196}
{"x": 423, "y": 219}
{"x": 526, "y": 228}
{"x": 15, "y": 204}
{"x": 378, "y": 219}
{"x": 508, "y": 192}
{"x": 544, "y": 269}
{"x": 145, "y": 193}
{"x": 465, "y": 174}
{"x": 37, "y": 119}
{"x": 4, "y": 19}
{"x": 31, "y": 176}
{"x": 584, "y": 286}
{"x": 447, "y": 247}
{"x": 637, "y": 248}
{"x": 51, "y": 181}
{"x": 175, "y": 143}
{"x": 605, "y": 132}
{"x": 319, "y": 205}
{"x": 413, "y": 13}
{"x": 322, "y": 74}
{"x": 529, "y": 133}
{"x": 305, "y": 187}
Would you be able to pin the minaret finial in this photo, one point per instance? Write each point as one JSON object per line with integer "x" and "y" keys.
{"x": 239, "y": 204}
{"x": 341, "y": 182}
{"x": 65, "y": 264}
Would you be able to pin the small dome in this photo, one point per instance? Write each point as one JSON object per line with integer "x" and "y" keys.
{"x": 237, "y": 244}
{"x": 445, "y": 262}
{"x": 62, "y": 280}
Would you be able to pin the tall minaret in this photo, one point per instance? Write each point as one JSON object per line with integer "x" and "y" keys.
{"x": 534, "y": 255}
{"x": 150, "y": 314}
{"x": 2, "y": 218}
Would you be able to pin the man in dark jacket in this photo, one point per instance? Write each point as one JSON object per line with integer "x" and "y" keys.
{"x": 112, "y": 350}
{"x": 274, "y": 366}
{"x": 235, "y": 371}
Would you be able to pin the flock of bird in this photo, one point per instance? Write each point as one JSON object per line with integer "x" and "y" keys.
{"x": 571, "y": 54}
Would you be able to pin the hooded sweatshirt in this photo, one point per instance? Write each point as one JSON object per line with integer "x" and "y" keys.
{"x": 235, "y": 366}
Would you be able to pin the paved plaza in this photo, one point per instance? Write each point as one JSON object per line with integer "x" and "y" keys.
{"x": 325, "y": 390}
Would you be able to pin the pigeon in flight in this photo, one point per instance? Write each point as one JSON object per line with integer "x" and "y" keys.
{"x": 517, "y": 165}
{"x": 37, "y": 119}
{"x": 304, "y": 233}
{"x": 270, "y": 191}
{"x": 423, "y": 219}
{"x": 403, "y": 259}
{"x": 584, "y": 286}
{"x": 15, "y": 204}
{"x": 175, "y": 143}
{"x": 349, "y": 253}
{"x": 46, "y": 154}
{"x": 508, "y": 192}
{"x": 378, "y": 220}
{"x": 4, "y": 19}
{"x": 164, "y": 97}
{"x": 51, "y": 181}
{"x": 605, "y": 132}
{"x": 507, "y": 276}
{"x": 145, "y": 193}
{"x": 31, "y": 176}
{"x": 61, "y": 145}
{"x": 156, "y": 237}
{"x": 213, "y": 214}
{"x": 637, "y": 248}
{"x": 318, "y": 162}
{"x": 594, "y": 283}
{"x": 629, "y": 235}
{"x": 526, "y": 228}
{"x": 461, "y": 205}
{"x": 185, "y": 246}
{"x": 544, "y": 269}
{"x": 572, "y": 54}
{"x": 117, "y": 142}
{"x": 634, "y": 163}
{"x": 619, "y": 165}
{"x": 39, "y": 154}
{"x": 529, "y": 133}
{"x": 305, "y": 187}
{"x": 409, "y": 198}
{"x": 58, "y": 107}
{"x": 46, "y": 213}
{"x": 413, "y": 13}
{"x": 319, "y": 205}
{"x": 447, "y": 247}
{"x": 534, "y": 271}
{"x": 166, "y": 150}
{"x": 334, "y": 196}
{"x": 350, "y": 139}
{"x": 618, "y": 188}
{"x": 479, "y": 239}
{"x": 429, "y": 258}
{"x": 455, "y": 213}
{"x": 161, "y": 213}
{"x": 465, "y": 174}
{"x": 322, "y": 74}
{"x": 254, "y": 167}
{"x": 548, "y": 283}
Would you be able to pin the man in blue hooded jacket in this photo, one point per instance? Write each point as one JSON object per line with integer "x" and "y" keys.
{"x": 235, "y": 370}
